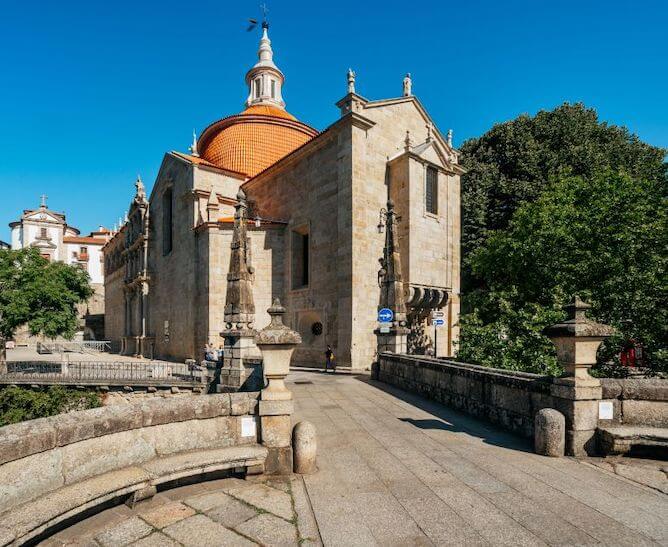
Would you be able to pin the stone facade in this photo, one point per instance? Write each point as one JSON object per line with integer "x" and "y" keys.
{"x": 313, "y": 237}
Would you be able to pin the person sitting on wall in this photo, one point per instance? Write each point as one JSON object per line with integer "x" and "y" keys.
{"x": 209, "y": 353}
{"x": 329, "y": 360}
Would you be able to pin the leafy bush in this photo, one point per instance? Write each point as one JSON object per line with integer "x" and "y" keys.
{"x": 19, "y": 404}
{"x": 602, "y": 238}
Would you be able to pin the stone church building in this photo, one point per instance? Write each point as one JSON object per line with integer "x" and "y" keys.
{"x": 313, "y": 227}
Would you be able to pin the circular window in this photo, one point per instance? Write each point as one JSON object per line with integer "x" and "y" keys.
{"x": 316, "y": 328}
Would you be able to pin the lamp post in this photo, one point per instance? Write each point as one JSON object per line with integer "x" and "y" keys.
{"x": 394, "y": 339}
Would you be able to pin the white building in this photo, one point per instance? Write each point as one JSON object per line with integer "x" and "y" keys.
{"x": 49, "y": 232}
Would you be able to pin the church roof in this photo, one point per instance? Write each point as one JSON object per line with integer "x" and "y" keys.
{"x": 264, "y": 132}
{"x": 253, "y": 140}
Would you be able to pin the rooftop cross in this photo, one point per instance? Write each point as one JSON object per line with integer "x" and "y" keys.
{"x": 43, "y": 198}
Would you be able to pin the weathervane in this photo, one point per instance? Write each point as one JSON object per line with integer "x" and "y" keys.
{"x": 253, "y": 22}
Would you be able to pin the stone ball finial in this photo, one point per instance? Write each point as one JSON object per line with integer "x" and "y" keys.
{"x": 276, "y": 332}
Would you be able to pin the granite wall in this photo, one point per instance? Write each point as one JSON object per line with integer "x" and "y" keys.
{"x": 641, "y": 401}
{"x": 509, "y": 399}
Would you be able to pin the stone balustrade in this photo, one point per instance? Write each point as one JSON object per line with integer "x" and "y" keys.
{"x": 54, "y": 469}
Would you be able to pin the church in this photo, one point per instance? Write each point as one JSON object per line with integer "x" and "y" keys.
{"x": 309, "y": 208}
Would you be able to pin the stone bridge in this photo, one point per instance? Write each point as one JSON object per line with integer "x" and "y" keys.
{"x": 394, "y": 468}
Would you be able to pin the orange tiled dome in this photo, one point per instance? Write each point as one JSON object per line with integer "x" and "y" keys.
{"x": 253, "y": 140}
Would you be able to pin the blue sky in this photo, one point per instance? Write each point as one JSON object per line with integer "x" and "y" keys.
{"x": 91, "y": 93}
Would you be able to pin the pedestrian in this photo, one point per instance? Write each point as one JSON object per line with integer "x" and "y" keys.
{"x": 329, "y": 359}
{"x": 209, "y": 353}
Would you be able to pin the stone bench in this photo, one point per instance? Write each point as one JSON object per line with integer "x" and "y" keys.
{"x": 56, "y": 469}
{"x": 617, "y": 440}
{"x": 29, "y": 521}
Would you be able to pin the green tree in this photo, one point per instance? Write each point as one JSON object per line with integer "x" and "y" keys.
{"x": 39, "y": 293}
{"x": 605, "y": 238}
{"x": 513, "y": 162}
{"x": 19, "y": 404}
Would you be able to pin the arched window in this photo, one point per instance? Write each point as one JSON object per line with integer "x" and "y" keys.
{"x": 258, "y": 87}
{"x": 167, "y": 221}
{"x": 273, "y": 89}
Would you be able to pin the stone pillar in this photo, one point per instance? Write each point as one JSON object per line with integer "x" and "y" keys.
{"x": 276, "y": 342}
{"x": 239, "y": 306}
{"x": 392, "y": 296}
{"x": 576, "y": 393}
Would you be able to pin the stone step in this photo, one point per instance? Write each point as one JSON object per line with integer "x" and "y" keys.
{"x": 35, "y": 519}
{"x": 626, "y": 438}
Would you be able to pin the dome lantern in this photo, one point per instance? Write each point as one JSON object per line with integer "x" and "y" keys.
{"x": 264, "y": 79}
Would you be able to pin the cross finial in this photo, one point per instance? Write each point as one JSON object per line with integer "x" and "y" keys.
{"x": 265, "y": 10}
{"x": 43, "y": 203}
{"x": 430, "y": 128}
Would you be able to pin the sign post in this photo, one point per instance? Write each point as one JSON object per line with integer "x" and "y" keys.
{"x": 438, "y": 320}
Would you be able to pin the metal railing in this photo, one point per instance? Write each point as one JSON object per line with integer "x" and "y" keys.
{"x": 98, "y": 371}
{"x": 82, "y": 346}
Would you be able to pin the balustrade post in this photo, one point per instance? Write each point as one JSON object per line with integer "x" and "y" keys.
{"x": 576, "y": 392}
{"x": 277, "y": 342}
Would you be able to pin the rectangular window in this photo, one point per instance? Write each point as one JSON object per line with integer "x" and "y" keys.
{"x": 273, "y": 89}
{"x": 258, "y": 83}
{"x": 83, "y": 250}
{"x": 167, "y": 222}
{"x": 300, "y": 259}
{"x": 42, "y": 233}
{"x": 431, "y": 191}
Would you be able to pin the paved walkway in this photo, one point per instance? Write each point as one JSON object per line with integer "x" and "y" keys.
{"x": 396, "y": 469}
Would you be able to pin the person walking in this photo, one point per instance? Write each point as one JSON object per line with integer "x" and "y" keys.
{"x": 329, "y": 360}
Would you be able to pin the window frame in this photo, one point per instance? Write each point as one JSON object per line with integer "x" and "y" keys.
{"x": 431, "y": 190}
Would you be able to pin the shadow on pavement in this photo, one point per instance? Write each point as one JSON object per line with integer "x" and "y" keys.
{"x": 452, "y": 420}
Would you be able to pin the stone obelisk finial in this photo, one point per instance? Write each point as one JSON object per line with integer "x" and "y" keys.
{"x": 239, "y": 314}
{"x": 239, "y": 306}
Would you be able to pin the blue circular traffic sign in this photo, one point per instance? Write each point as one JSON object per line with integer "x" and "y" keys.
{"x": 385, "y": 315}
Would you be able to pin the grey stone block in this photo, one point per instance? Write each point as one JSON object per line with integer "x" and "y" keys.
{"x": 276, "y": 408}
{"x": 23, "y": 439}
{"x": 549, "y": 432}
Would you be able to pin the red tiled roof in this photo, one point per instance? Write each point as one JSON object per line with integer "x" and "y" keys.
{"x": 253, "y": 140}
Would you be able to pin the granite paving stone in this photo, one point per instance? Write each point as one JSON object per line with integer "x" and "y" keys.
{"x": 124, "y": 533}
{"x": 269, "y": 530}
{"x": 231, "y": 512}
{"x": 156, "y": 539}
{"x": 201, "y": 531}
{"x": 164, "y": 515}
{"x": 267, "y": 498}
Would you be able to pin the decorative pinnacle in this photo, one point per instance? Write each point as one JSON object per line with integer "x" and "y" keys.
{"x": 193, "y": 146}
{"x": 351, "y": 80}
{"x": 407, "y": 141}
{"x": 213, "y": 199}
{"x": 450, "y": 137}
{"x": 408, "y": 84}
{"x": 430, "y": 128}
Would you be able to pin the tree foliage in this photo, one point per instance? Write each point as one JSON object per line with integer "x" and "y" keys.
{"x": 514, "y": 161}
{"x": 604, "y": 237}
{"x": 18, "y": 404}
{"x": 39, "y": 293}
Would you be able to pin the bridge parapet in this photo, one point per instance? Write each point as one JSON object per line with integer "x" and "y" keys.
{"x": 54, "y": 469}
